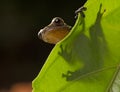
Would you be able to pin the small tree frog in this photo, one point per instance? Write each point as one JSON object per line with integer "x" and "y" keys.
{"x": 57, "y": 29}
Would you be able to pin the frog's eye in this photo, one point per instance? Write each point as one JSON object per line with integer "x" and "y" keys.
{"x": 58, "y": 21}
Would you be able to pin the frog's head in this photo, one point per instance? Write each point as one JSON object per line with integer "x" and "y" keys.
{"x": 55, "y": 31}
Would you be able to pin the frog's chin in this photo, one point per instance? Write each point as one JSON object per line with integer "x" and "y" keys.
{"x": 50, "y": 39}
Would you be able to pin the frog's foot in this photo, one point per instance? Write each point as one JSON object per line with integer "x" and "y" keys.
{"x": 80, "y": 10}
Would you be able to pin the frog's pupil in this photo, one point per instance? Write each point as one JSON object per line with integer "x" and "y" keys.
{"x": 57, "y": 20}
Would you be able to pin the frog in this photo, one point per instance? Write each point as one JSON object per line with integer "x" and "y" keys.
{"x": 57, "y": 29}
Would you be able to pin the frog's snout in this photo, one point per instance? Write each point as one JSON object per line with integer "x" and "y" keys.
{"x": 40, "y": 34}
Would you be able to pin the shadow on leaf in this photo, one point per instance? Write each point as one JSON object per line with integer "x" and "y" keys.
{"x": 89, "y": 53}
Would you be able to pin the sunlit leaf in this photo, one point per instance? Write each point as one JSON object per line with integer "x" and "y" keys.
{"x": 88, "y": 59}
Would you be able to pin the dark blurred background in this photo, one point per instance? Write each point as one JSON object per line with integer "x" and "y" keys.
{"x": 22, "y": 54}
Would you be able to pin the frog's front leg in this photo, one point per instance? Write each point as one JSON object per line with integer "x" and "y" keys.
{"x": 81, "y": 11}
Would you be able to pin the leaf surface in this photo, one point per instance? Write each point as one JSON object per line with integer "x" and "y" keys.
{"x": 88, "y": 59}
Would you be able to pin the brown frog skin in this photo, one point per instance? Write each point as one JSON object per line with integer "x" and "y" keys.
{"x": 55, "y": 31}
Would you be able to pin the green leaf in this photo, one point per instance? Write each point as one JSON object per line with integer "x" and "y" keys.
{"x": 88, "y": 59}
